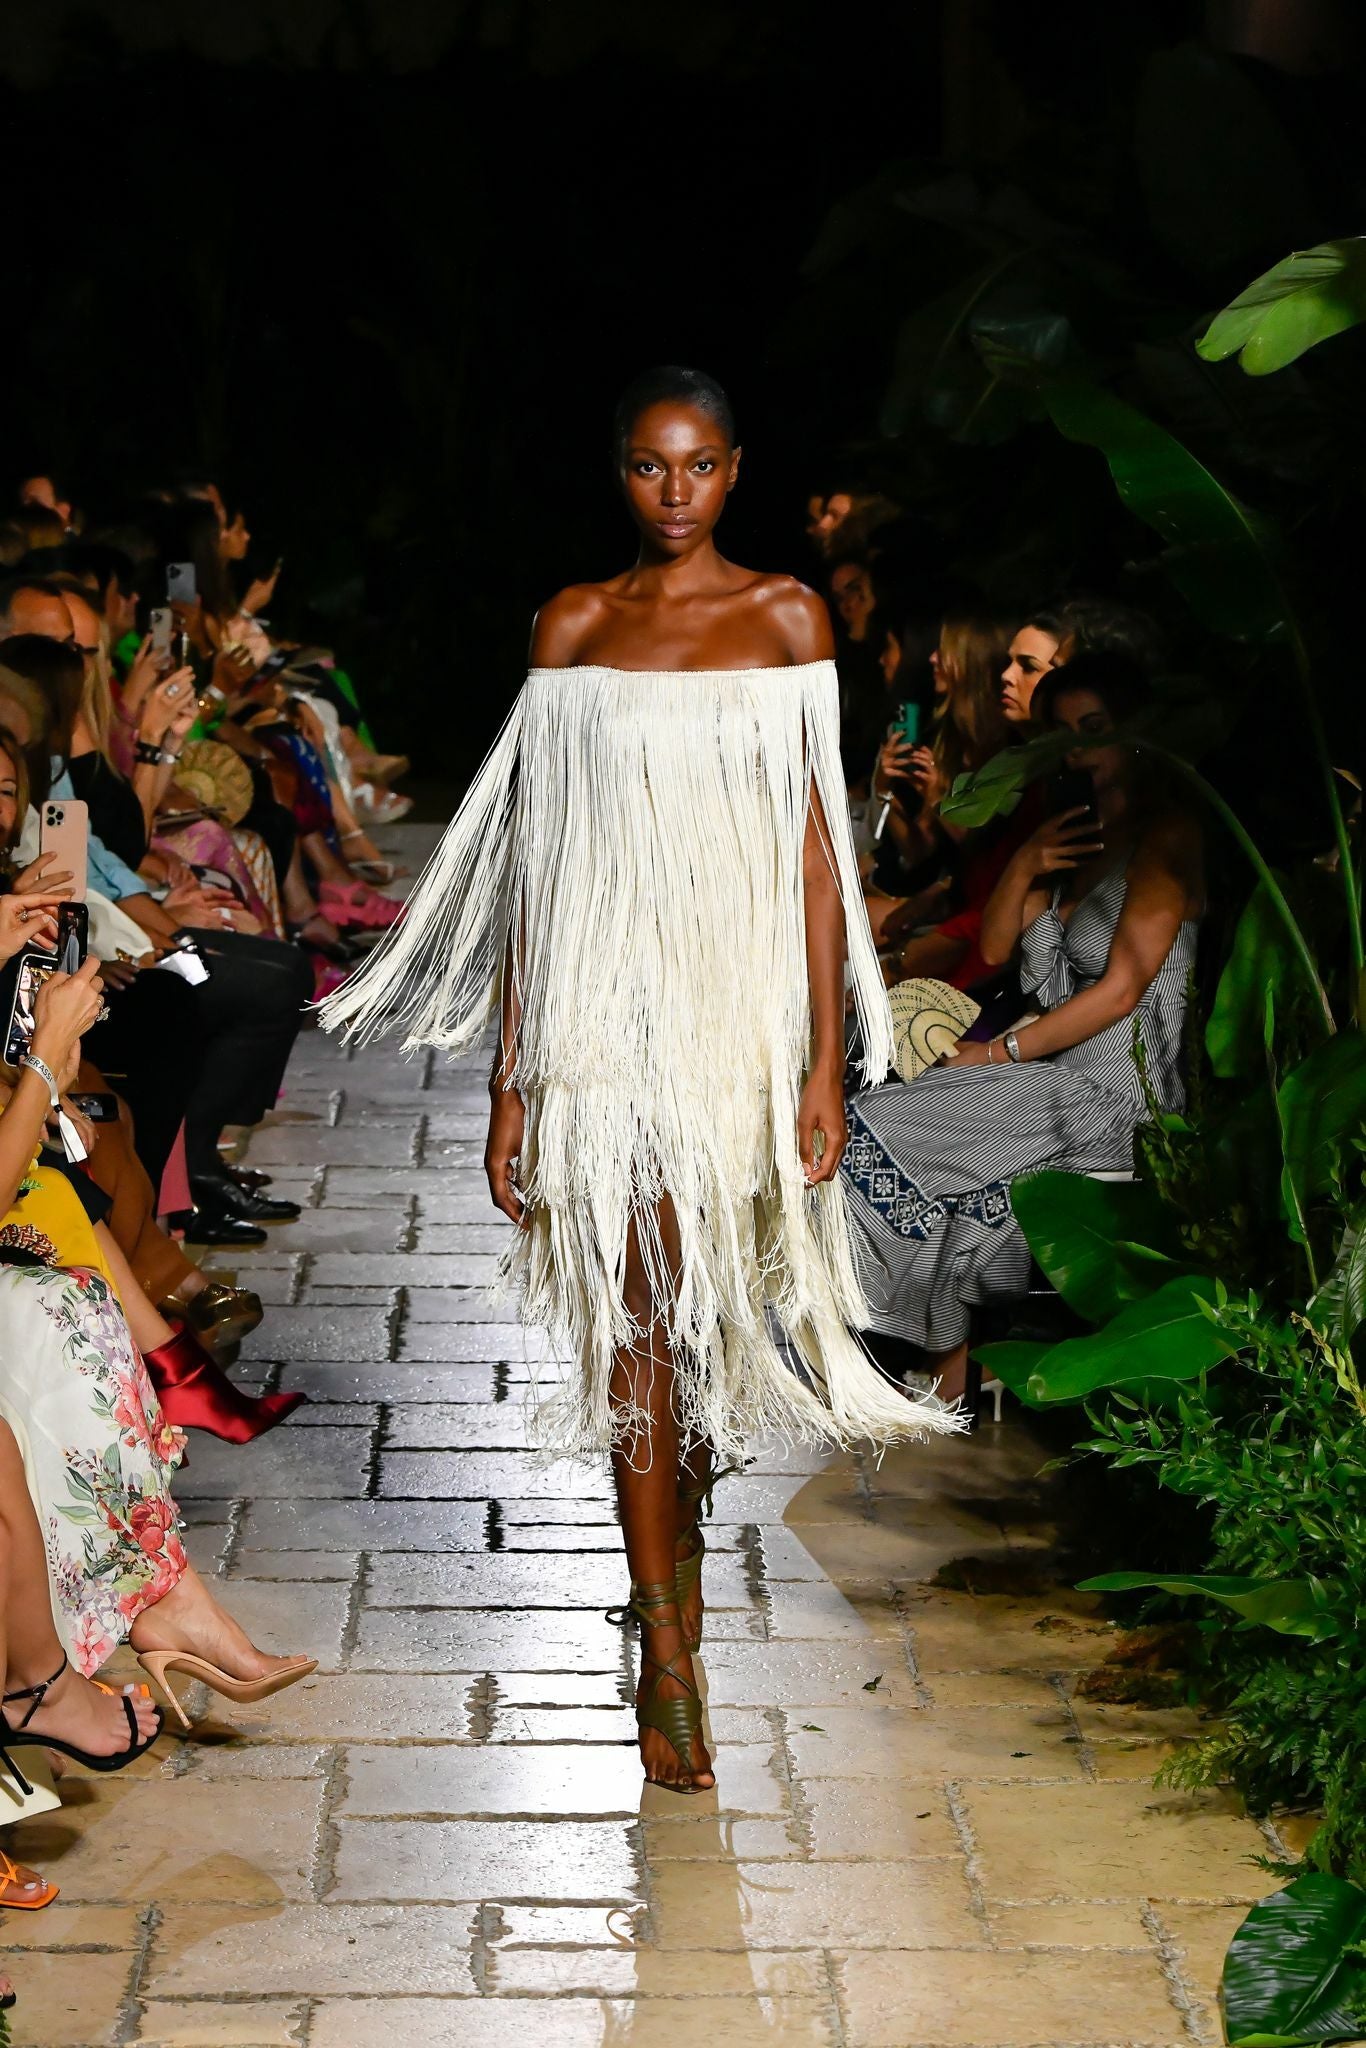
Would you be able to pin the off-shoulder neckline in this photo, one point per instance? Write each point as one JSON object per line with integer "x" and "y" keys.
{"x": 607, "y": 668}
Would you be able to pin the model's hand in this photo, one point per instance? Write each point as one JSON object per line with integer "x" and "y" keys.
{"x": 821, "y": 1109}
{"x": 507, "y": 1127}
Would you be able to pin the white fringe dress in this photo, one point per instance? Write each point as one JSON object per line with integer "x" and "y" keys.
{"x": 632, "y": 850}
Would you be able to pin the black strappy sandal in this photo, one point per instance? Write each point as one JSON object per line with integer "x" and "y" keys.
{"x": 24, "y": 1737}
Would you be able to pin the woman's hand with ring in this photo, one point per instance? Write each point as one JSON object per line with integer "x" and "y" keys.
{"x": 66, "y": 1006}
{"x": 27, "y": 921}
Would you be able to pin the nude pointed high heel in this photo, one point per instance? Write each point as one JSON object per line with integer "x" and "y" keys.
{"x": 245, "y": 1691}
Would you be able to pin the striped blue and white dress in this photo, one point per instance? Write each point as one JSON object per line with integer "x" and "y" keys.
{"x": 930, "y": 1164}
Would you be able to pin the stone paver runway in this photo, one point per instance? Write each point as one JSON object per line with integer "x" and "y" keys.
{"x": 919, "y": 1836}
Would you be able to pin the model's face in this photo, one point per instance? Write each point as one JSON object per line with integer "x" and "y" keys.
{"x": 1032, "y": 654}
{"x": 676, "y": 471}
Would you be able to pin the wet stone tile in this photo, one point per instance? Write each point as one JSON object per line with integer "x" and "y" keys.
{"x": 332, "y": 1949}
{"x": 286, "y": 1464}
{"x": 424, "y": 1270}
{"x": 400, "y": 1384}
{"x": 362, "y": 1525}
{"x": 485, "y": 1475}
{"x": 457, "y": 1859}
{"x": 290, "y": 1334}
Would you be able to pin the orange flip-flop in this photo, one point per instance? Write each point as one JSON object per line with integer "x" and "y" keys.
{"x": 19, "y": 1895}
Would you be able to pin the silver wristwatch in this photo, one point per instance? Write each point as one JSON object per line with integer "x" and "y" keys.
{"x": 1012, "y": 1046}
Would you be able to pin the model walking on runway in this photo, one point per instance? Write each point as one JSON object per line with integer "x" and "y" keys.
{"x": 652, "y": 884}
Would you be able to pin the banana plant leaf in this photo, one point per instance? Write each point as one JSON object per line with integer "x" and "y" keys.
{"x": 1101, "y": 1243}
{"x": 1258, "y": 960}
{"x": 1339, "y": 1307}
{"x": 1292, "y": 1607}
{"x": 1302, "y": 300}
{"x": 995, "y": 789}
{"x": 1289, "y": 1976}
{"x": 1013, "y": 1362}
{"x": 1219, "y": 554}
{"x": 1167, "y": 1336}
{"x": 1322, "y": 1105}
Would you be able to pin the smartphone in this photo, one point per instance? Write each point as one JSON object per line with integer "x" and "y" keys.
{"x": 182, "y": 585}
{"x": 163, "y": 627}
{"x": 73, "y": 935}
{"x": 34, "y": 969}
{"x": 101, "y": 1109}
{"x": 1073, "y": 790}
{"x": 65, "y": 832}
{"x": 908, "y": 724}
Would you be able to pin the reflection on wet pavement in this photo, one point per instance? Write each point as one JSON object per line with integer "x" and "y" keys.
{"x": 918, "y": 1837}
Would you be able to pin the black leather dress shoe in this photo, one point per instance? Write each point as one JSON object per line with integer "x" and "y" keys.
{"x": 212, "y": 1226}
{"x": 247, "y": 1176}
{"x": 221, "y": 1195}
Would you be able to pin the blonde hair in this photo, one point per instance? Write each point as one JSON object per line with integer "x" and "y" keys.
{"x": 973, "y": 649}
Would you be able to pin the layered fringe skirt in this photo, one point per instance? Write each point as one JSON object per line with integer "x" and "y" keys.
{"x": 631, "y": 856}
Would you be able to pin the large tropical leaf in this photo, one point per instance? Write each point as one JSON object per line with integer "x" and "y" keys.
{"x": 1219, "y": 554}
{"x": 1288, "y": 1976}
{"x": 1292, "y": 1607}
{"x": 1013, "y": 1362}
{"x": 994, "y": 790}
{"x": 1339, "y": 1307}
{"x": 1300, "y": 301}
{"x": 1259, "y": 960}
{"x": 1101, "y": 1243}
{"x": 1168, "y": 1336}
{"x": 1322, "y": 1105}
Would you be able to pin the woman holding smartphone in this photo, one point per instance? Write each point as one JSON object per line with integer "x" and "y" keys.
{"x": 652, "y": 884}
{"x": 1101, "y": 904}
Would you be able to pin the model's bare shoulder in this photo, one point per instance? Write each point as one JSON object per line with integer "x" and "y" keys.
{"x": 565, "y": 623}
{"x": 799, "y": 619}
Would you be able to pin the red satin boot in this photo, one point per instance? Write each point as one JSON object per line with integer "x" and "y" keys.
{"x": 197, "y": 1394}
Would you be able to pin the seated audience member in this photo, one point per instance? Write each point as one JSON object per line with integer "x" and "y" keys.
{"x": 1103, "y": 907}
{"x": 249, "y": 1010}
{"x": 1078, "y": 625}
{"x": 956, "y": 870}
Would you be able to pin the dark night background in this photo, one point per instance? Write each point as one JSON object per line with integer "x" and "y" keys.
{"x": 381, "y": 269}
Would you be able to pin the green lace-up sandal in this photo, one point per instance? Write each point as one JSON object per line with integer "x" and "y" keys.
{"x": 678, "y": 1720}
{"x": 689, "y": 1569}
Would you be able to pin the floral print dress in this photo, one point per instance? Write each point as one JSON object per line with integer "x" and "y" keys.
{"x": 98, "y": 1453}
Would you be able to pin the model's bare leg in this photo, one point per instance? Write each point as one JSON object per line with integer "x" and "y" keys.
{"x": 645, "y": 1465}
{"x": 74, "y": 1709}
{"x": 695, "y": 1467}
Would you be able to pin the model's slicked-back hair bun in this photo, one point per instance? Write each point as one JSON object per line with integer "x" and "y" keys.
{"x": 671, "y": 384}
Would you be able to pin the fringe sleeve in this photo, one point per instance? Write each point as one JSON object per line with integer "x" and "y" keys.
{"x": 436, "y": 976}
{"x": 820, "y": 711}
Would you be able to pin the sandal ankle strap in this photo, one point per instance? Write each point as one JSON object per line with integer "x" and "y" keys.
{"x": 37, "y": 1693}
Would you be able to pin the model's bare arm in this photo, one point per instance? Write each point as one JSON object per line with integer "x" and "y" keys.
{"x": 808, "y": 636}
